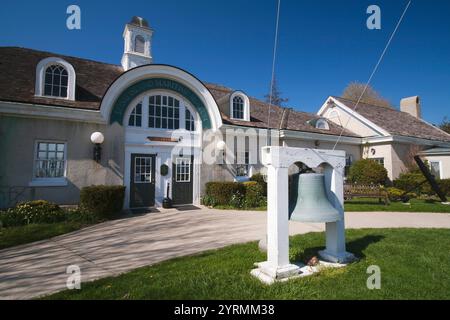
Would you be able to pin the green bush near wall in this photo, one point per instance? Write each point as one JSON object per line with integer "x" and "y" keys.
{"x": 32, "y": 212}
{"x": 367, "y": 171}
{"x": 103, "y": 201}
{"x": 258, "y": 177}
{"x": 235, "y": 194}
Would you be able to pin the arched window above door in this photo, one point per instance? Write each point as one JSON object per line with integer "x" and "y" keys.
{"x": 162, "y": 111}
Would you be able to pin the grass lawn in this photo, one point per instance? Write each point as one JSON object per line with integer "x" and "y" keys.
{"x": 13, "y": 236}
{"x": 370, "y": 204}
{"x": 414, "y": 263}
{"x": 362, "y": 204}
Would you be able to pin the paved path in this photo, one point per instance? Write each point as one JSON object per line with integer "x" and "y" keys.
{"x": 117, "y": 246}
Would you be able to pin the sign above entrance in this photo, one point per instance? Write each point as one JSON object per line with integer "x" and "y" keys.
{"x": 127, "y": 96}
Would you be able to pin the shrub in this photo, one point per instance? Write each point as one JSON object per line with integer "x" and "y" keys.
{"x": 444, "y": 184}
{"x": 396, "y": 194}
{"x": 102, "y": 201}
{"x": 367, "y": 171}
{"x": 258, "y": 178}
{"x": 37, "y": 211}
{"x": 407, "y": 181}
{"x": 80, "y": 215}
{"x": 254, "y": 195}
{"x": 221, "y": 193}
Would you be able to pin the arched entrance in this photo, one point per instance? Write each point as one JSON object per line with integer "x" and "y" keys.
{"x": 164, "y": 111}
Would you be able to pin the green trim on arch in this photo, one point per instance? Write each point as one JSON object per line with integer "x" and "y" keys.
{"x": 127, "y": 96}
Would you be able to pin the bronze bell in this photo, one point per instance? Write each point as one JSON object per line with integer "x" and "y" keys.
{"x": 313, "y": 204}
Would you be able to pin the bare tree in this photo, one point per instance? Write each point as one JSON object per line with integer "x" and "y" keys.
{"x": 445, "y": 125}
{"x": 409, "y": 162}
{"x": 355, "y": 89}
{"x": 276, "y": 98}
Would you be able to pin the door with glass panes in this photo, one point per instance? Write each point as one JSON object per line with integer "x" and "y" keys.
{"x": 142, "y": 182}
{"x": 182, "y": 180}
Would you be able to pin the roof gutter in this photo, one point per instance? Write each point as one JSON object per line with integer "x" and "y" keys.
{"x": 30, "y": 110}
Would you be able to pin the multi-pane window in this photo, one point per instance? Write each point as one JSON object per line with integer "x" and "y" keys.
{"x": 435, "y": 167}
{"x": 238, "y": 108}
{"x": 190, "y": 126}
{"x": 139, "y": 44}
{"x": 348, "y": 164}
{"x": 163, "y": 112}
{"x": 242, "y": 163}
{"x": 379, "y": 160}
{"x": 135, "y": 119}
{"x": 183, "y": 170}
{"x": 50, "y": 160}
{"x": 142, "y": 169}
{"x": 56, "y": 80}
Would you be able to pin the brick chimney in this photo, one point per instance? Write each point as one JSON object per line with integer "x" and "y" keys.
{"x": 411, "y": 105}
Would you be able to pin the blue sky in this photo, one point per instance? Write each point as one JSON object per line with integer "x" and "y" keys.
{"x": 323, "y": 45}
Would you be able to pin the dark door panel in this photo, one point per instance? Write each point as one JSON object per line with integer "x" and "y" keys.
{"x": 182, "y": 180}
{"x": 142, "y": 180}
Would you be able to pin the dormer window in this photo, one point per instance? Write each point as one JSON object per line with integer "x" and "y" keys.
{"x": 139, "y": 44}
{"x": 55, "y": 78}
{"x": 56, "y": 81}
{"x": 320, "y": 123}
{"x": 239, "y": 106}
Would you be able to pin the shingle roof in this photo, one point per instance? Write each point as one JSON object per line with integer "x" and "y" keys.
{"x": 93, "y": 78}
{"x": 259, "y": 116}
{"x": 18, "y": 74}
{"x": 396, "y": 122}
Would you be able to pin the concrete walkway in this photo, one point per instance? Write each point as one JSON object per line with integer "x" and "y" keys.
{"x": 117, "y": 246}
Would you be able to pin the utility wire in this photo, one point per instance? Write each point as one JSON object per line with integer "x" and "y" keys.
{"x": 269, "y": 140}
{"x": 373, "y": 72}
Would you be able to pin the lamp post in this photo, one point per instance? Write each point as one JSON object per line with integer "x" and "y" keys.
{"x": 97, "y": 139}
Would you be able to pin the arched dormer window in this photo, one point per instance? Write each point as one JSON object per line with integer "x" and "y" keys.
{"x": 239, "y": 106}
{"x": 139, "y": 44}
{"x": 55, "y": 78}
{"x": 320, "y": 123}
{"x": 56, "y": 81}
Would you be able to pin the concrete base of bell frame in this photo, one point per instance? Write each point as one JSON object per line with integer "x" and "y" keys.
{"x": 269, "y": 275}
{"x": 340, "y": 258}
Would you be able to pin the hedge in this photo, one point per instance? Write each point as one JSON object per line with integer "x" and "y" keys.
{"x": 37, "y": 211}
{"x": 103, "y": 201}
{"x": 258, "y": 178}
{"x": 235, "y": 194}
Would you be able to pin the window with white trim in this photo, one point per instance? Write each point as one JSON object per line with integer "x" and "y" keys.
{"x": 55, "y": 78}
{"x": 135, "y": 119}
{"x": 56, "y": 81}
{"x": 183, "y": 170}
{"x": 142, "y": 169}
{"x": 190, "y": 125}
{"x": 378, "y": 160}
{"x": 348, "y": 164}
{"x": 164, "y": 112}
{"x": 322, "y": 124}
{"x": 50, "y": 160}
{"x": 238, "y": 108}
{"x": 435, "y": 167}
